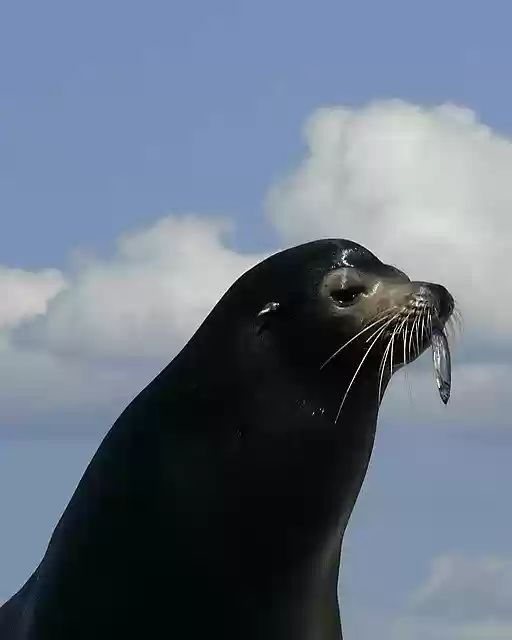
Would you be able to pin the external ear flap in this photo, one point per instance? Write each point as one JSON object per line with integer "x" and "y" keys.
{"x": 269, "y": 308}
{"x": 262, "y": 317}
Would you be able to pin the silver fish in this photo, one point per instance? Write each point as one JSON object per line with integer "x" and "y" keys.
{"x": 442, "y": 363}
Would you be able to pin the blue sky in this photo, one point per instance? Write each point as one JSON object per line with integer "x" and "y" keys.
{"x": 198, "y": 106}
{"x": 115, "y": 115}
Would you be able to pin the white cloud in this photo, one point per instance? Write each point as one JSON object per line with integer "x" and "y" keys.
{"x": 25, "y": 294}
{"x": 146, "y": 300}
{"x": 46, "y": 393}
{"x": 412, "y": 629}
{"x": 83, "y": 346}
{"x": 461, "y": 588}
{"x": 462, "y": 599}
{"x": 427, "y": 189}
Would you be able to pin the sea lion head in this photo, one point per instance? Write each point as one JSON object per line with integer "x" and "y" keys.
{"x": 332, "y": 304}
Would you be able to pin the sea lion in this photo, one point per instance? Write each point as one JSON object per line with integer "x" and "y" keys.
{"x": 216, "y": 504}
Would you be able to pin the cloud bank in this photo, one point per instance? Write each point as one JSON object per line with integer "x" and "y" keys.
{"x": 462, "y": 598}
{"x": 80, "y": 346}
{"x": 25, "y": 294}
{"x": 426, "y": 188}
{"x": 152, "y": 294}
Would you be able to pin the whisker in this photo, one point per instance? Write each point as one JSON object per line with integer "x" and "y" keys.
{"x": 457, "y": 312}
{"x": 411, "y": 335}
{"x": 363, "y": 330}
{"x": 408, "y": 329}
{"x": 403, "y": 330}
{"x": 404, "y": 323}
{"x": 419, "y": 332}
{"x": 404, "y": 327}
{"x": 392, "y": 353}
{"x": 396, "y": 315}
{"x": 382, "y": 367}
{"x": 355, "y": 374}
{"x": 389, "y": 351}
{"x": 455, "y": 323}
{"x": 418, "y": 335}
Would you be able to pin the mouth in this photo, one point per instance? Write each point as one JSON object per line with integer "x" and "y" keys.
{"x": 410, "y": 333}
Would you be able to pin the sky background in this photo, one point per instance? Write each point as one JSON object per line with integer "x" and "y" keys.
{"x": 152, "y": 150}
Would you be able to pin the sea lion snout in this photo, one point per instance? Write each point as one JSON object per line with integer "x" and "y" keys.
{"x": 437, "y": 297}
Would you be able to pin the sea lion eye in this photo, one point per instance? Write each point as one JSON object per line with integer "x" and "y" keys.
{"x": 346, "y": 297}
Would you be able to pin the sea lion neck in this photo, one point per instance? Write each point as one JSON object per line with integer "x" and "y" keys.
{"x": 282, "y": 386}
{"x": 293, "y": 418}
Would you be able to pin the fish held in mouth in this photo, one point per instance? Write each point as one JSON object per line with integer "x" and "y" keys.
{"x": 442, "y": 363}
